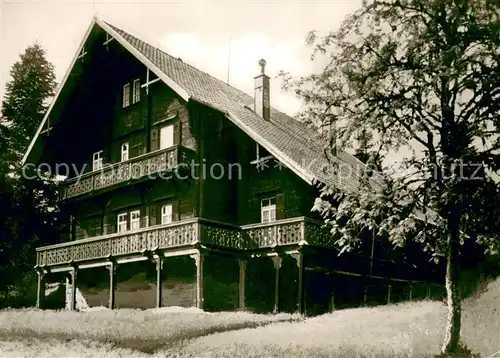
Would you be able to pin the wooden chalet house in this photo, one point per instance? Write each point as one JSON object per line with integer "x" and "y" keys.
{"x": 167, "y": 162}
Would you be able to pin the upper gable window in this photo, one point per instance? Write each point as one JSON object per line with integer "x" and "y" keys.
{"x": 124, "y": 151}
{"x": 166, "y": 214}
{"x": 136, "y": 91}
{"x": 126, "y": 95}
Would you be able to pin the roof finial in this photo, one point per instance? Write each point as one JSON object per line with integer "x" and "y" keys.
{"x": 262, "y": 64}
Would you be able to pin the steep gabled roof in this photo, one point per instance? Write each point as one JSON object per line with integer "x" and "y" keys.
{"x": 292, "y": 142}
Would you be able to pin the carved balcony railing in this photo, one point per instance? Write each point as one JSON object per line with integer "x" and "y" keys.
{"x": 224, "y": 235}
{"x": 186, "y": 234}
{"x": 136, "y": 168}
{"x": 299, "y": 230}
{"x": 178, "y": 234}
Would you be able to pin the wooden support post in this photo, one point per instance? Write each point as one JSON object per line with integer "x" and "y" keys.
{"x": 243, "y": 265}
{"x": 71, "y": 228}
{"x": 365, "y": 291}
{"x": 112, "y": 284}
{"x": 40, "y": 293}
{"x": 159, "y": 277}
{"x": 428, "y": 291}
{"x": 72, "y": 302}
{"x": 332, "y": 299}
{"x": 389, "y": 292}
{"x": 299, "y": 258}
{"x": 277, "y": 266}
{"x": 198, "y": 259}
{"x": 411, "y": 291}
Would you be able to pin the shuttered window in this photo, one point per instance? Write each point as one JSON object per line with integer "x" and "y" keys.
{"x": 152, "y": 212}
{"x": 94, "y": 227}
{"x": 154, "y": 139}
{"x": 272, "y": 208}
{"x": 135, "y": 220}
{"x": 137, "y": 146}
{"x": 187, "y": 209}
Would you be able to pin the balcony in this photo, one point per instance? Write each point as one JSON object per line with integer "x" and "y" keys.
{"x": 299, "y": 230}
{"x": 185, "y": 234}
{"x": 118, "y": 173}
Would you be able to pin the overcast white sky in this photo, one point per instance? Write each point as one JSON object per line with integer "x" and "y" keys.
{"x": 197, "y": 31}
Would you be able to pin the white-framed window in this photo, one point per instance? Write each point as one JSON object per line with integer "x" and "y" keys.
{"x": 166, "y": 214}
{"x": 135, "y": 219}
{"x": 124, "y": 151}
{"x": 166, "y": 136}
{"x": 136, "y": 91}
{"x": 126, "y": 95}
{"x": 122, "y": 222}
{"x": 268, "y": 210}
{"x": 97, "y": 160}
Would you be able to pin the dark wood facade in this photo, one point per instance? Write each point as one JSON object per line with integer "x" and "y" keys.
{"x": 207, "y": 174}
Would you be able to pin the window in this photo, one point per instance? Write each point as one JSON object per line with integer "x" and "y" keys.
{"x": 122, "y": 222}
{"x": 166, "y": 136}
{"x": 137, "y": 146}
{"x": 124, "y": 156}
{"x": 135, "y": 220}
{"x": 136, "y": 91}
{"x": 97, "y": 160}
{"x": 166, "y": 214}
{"x": 126, "y": 95}
{"x": 94, "y": 226}
{"x": 268, "y": 210}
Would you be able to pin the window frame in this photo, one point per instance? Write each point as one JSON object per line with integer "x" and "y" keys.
{"x": 118, "y": 222}
{"x": 268, "y": 210}
{"x": 97, "y": 164}
{"x": 136, "y": 91}
{"x": 126, "y": 95}
{"x": 258, "y": 158}
{"x": 136, "y": 220}
{"x": 126, "y": 152}
{"x": 162, "y": 216}
{"x": 160, "y": 137}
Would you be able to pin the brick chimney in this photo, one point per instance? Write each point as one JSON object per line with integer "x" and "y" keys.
{"x": 261, "y": 95}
